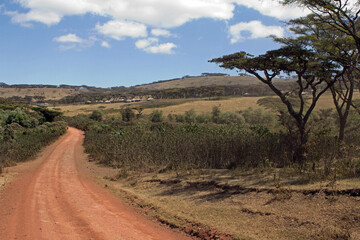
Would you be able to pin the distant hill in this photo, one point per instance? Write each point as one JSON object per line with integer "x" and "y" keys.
{"x": 201, "y": 81}
{"x": 40, "y": 93}
{"x": 206, "y": 85}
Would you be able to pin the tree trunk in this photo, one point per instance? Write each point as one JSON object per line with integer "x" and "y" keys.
{"x": 300, "y": 152}
{"x": 342, "y": 125}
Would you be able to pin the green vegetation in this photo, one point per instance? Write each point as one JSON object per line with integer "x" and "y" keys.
{"x": 24, "y": 132}
{"x": 220, "y": 140}
{"x": 96, "y": 115}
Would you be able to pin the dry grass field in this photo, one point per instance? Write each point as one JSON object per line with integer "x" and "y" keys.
{"x": 74, "y": 109}
{"x": 263, "y": 207}
{"x": 180, "y": 106}
{"x": 47, "y": 93}
{"x": 206, "y": 81}
{"x": 233, "y": 104}
{"x": 199, "y": 105}
{"x": 203, "y": 106}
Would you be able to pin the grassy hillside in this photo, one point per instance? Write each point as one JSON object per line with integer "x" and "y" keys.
{"x": 206, "y": 81}
{"x": 47, "y": 93}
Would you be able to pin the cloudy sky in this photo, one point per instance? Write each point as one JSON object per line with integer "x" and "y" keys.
{"x": 128, "y": 42}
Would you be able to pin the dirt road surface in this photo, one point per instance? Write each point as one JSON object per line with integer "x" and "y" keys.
{"x": 52, "y": 199}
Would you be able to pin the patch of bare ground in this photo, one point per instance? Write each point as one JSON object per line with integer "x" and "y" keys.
{"x": 222, "y": 204}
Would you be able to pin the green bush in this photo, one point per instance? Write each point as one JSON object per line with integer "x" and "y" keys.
{"x": 203, "y": 118}
{"x": 230, "y": 118}
{"x": 215, "y": 114}
{"x": 96, "y": 115}
{"x": 127, "y": 114}
{"x": 18, "y": 144}
{"x": 156, "y": 116}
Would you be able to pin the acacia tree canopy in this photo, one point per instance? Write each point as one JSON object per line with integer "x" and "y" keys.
{"x": 333, "y": 29}
{"x": 340, "y": 15}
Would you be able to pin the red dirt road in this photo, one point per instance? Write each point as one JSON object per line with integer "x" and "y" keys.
{"x": 52, "y": 199}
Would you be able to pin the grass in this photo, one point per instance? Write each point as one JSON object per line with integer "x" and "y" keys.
{"x": 180, "y": 106}
{"x": 203, "y": 106}
{"x": 205, "y": 81}
{"x": 248, "y": 215}
{"x": 48, "y": 93}
{"x": 233, "y": 104}
{"x": 112, "y": 108}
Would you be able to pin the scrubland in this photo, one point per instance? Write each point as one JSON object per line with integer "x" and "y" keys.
{"x": 230, "y": 174}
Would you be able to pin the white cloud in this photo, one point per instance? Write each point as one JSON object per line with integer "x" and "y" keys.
{"x": 67, "y": 47}
{"x": 155, "y": 13}
{"x": 72, "y": 41}
{"x": 256, "y": 30}
{"x": 159, "y": 13}
{"x": 151, "y": 45}
{"x": 131, "y": 18}
{"x": 48, "y": 18}
{"x": 273, "y": 8}
{"x": 144, "y": 43}
{"x": 161, "y": 32}
{"x": 69, "y": 38}
{"x": 105, "y": 44}
{"x": 165, "y": 48}
{"x": 119, "y": 29}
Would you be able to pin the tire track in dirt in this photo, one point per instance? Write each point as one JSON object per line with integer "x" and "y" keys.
{"x": 55, "y": 201}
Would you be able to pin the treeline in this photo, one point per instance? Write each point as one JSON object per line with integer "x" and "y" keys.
{"x": 188, "y": 76}
{"x": 4, "y": 85}
{"x": 24, "y": 131}
{"x": 206, "y": 91}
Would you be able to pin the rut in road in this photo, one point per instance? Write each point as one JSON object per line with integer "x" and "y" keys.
{"x": 54, "y": 201}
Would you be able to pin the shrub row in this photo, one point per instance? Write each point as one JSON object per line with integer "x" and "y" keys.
{"x": 247, "y": 139}
{"x": 23, "y": 133}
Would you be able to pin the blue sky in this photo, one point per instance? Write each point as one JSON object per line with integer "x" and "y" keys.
{"x": 128, "y": 42}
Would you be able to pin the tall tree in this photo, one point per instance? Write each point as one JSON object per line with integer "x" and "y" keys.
{"x": 314, "y": 76}
{"x": 333, "y": 30}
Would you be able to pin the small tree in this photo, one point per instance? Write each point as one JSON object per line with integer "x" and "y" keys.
{"x": 157, "y": 116}
{"x": 96, "y": 115}
{"x": 127, "y": 114}
{"x": 215, "y": 114}
{"x": 48, "y": 114}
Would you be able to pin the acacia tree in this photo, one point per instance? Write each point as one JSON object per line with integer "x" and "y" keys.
{"x": 333, "y": 29}
{"x": 336, "y": 47}
{"x": 315, "y": 75}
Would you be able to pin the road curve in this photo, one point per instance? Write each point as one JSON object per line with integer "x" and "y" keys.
{"x": 54, "y": 201}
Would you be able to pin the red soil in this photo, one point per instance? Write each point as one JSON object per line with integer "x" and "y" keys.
{"x": 52, "y": 199}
